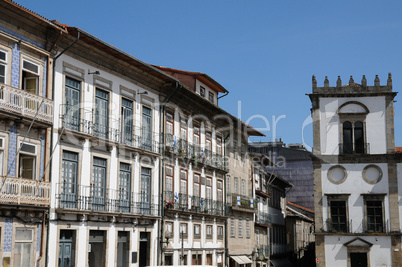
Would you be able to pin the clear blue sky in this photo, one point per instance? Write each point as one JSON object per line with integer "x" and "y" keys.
{"x": 263, "y": 51}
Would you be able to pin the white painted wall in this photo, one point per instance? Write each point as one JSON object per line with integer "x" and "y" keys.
{"x": 375, "y": 123}
{"x": 336, "y": 252}
{"x": 207, "y": 90}
{"x": 355, "y": 185}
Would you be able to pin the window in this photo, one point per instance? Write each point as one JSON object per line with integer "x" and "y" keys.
{"x": 240, "y": 221}
{"x": 183, "y": 230}
{"x": 127, "y": 121}
{"x": 209, "y": 259}
{"x": 208, "y": 141}
{"x": 169, "y": 123}
{"x": 202, "y": 91}
{"x": 220, "y": 232}
{"x": 219, "y": 194}
{"x": 209, "y": 231}
{"x": 3, "y": 66}
{"x": 69, "y": 176}
{"x": 257, "y": 237}
{"x": 197, "y": 259}
{"x": 72, "y": 112}
{"x": 196, "y": 137}
{"x": 211, "y": 97}
{"x": 169, "y": 184}
{"x": 23, "y": 247}
{"x": 197, "y": 231}
{"x": 125, "y": 187}
{"x": 2, "y": 160}
{"x": 219, "y": 146}
{"x": 248, "y": 232}
{"x": 30, "y": 77}
{"x": 234, "y": 145}
{"x": 145, "y": 187}
{"x": 353, "y": 138}
{"x": 27, "y": 161}
{"x": 183, "y": 199}
{"x": 209, "y": 193}
{"x": 146, "y": 128}
{"x": 196, "y": 189}
{"x": 337, "y": 213}
{"x": 232, "y": 227}
{"x": 243, "y": 187}
{"x": 236, "y": 185}
{"x": 374, "y": 213}
{"x": 228, "y": 190}
{"x": 99, "y": 184}
{"x": 168, "y": 229}
{"x": 183, "y": 129}
{"x": 101, "y": 113}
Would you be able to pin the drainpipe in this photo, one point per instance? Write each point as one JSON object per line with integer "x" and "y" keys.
{"x": 226, "y": 256}
{"x": 51, "y": 135}
{"x": 162, "y": 171}
{"x": 227, "y": 92}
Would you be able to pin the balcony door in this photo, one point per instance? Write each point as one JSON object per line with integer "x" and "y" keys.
{"x": 99, "y": 184}
{"x": 145, "y": 190}
{"x": 125, "y": 187}
{"x": 101, "y": 113}
{"x": 147, "y": 128}
{"x": 127, "y": 121}
{"x": 69, "y": 196}
{"x": 72, "y": 114}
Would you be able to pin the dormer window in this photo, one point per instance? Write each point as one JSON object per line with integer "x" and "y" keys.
{"x": 211, "y": 97}
{"x": 202, "y": 91}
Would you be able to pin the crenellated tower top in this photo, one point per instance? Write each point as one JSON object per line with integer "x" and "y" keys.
{"x": 352, "y": 87}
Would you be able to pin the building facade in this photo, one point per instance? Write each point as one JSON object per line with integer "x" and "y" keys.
{"x": 26, "y": 112}
{"x": 357, "y": 213}
{"x": 105, "y": 204}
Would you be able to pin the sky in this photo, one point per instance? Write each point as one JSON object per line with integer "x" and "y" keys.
{"x": 264, "y": 52}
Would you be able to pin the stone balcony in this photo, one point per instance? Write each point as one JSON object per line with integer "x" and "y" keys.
{"x": 17, "y": 104}
{"x": 20, "y": 191}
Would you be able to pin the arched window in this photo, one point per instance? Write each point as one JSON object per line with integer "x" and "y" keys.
{"x": 353, "y": 138}
{"x": 347, "y": 138}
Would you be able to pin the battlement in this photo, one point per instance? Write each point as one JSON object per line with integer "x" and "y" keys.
{"x": 353, "y": 87}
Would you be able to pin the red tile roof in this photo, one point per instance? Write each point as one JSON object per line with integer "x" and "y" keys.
{"x": 398, "y": 149}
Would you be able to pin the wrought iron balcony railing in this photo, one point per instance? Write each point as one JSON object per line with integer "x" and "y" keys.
{"x": 263, "y": 251}
{"x": 24, "y": 192}
{"x": 354, "y": 148}
{"x": 337, "y": 227}
{"x": 92, "y": 198}
{"x": 194, "y": 152}
{"x": 263, "y": 218}
{"x": 22, "y": 103}
{"x": 83, "y": 121}
{"x": 197, "y": 204}
{"x": 241, "y": 201}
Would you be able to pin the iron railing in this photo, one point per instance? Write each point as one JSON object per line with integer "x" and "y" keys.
{"x": 354, "y": 148}
{"x": 90, "y": 198}
{"x": 241, "y": 201}
{"x": 83, "y": 121}
{"x": 20, "y": 102}
{"x": 263, "y": 218}
{"x": 184, "y": 149}
{"x": 184, "y": 202}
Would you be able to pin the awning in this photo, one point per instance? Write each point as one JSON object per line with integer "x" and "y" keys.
{"x": 281, "y": 263}
{"x": 241, "y": 259}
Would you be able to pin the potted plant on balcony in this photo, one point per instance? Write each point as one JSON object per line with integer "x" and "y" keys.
{"x": 181, "y": 152}
{"x": 169, "y": 205}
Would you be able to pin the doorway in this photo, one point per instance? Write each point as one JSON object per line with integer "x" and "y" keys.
{"x": 144, "y": 249}
{"x": 97, "y": 248}
{"x": 358, "y": 259}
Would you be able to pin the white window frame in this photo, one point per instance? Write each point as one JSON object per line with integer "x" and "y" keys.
{"x": 240, "y": 226}
{"x": 2, "y": 155}
{"x": 5, "y": 64}
{"x": 31, "y": 242}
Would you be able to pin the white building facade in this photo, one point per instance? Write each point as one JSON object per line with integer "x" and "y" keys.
{"x": 357, "y": 219}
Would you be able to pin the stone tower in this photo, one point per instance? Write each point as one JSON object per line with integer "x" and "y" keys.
{"x": 356, "y": 170}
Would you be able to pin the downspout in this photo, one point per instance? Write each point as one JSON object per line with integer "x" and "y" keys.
{"x": 227, "y": 92}
{"x": 51, "y": 135}
{"x": 226, "y": 256}
{"x": 43, "y": 236}
{"x": 162, "y": 171}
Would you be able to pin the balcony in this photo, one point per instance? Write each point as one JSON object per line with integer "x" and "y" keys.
{"x": 360, "y": 227}
{"x": 184, "y": 149}
{"x": 263, "y": 252}
{"x": 19, "y": 103}
{"x": 22, "y": 191}
{"x": 89, "y": 198}
{"x": 263, "y": 219}
{"x": 239, "y": 201}
{"x": 187, "y": 203}
{"x": 351, "y": 148}
{"x": 82, "y": 121}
